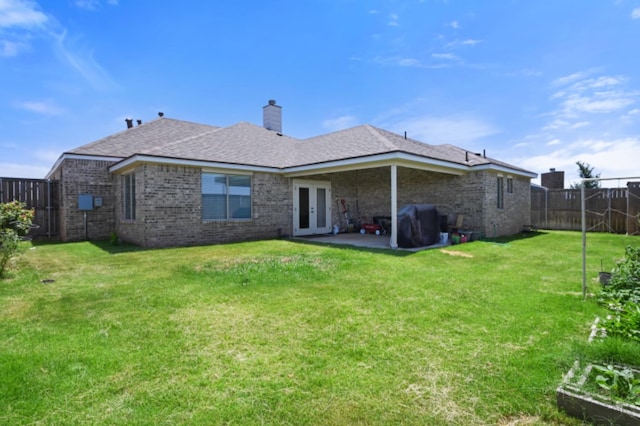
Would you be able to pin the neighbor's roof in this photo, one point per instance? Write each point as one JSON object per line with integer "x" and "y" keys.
{"x": 246, "y": 144}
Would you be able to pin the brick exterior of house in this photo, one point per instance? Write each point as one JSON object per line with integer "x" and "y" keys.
{"x": 85, "y": 177}
{"x": 169, "y": 199}
{"x": 165, "y": 160}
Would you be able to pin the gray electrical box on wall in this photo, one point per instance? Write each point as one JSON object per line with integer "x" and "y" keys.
{"x": 85, "y": 202}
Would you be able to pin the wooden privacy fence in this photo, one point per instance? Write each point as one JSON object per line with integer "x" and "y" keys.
{"x": 42, "y": 196}
{"x": 614, "y": 210}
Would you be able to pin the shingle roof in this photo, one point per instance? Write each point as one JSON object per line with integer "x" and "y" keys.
{"x": 144, "y": 138}
{"x": 247, "y": 144}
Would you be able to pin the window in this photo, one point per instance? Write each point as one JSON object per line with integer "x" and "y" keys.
{"x": 226, "y": 196}
{"x": 129, "y": 196}
{"x": 500, "y": 194}
{"x": 509, "y": 185}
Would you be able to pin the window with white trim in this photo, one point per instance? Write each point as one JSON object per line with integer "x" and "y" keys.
{"x": 129, "y": 196}
{"x": 226, "y": 196}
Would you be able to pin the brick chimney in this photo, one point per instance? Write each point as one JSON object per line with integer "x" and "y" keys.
{"x": 272, "y": 117}
{"x": 552, "y": 179}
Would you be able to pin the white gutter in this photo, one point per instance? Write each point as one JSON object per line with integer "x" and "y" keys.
{"x": 499, "y": 168}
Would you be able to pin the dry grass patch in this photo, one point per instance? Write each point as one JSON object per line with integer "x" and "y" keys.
{"x": 456, "y": 253}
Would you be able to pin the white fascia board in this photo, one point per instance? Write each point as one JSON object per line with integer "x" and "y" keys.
{"x": 499, "y": 168}
{"x": 381, "y": 160}
{"x": 79, "y": 157}
{"x": 190, "y": 163}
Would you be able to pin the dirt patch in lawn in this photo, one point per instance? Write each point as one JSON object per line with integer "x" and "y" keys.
{"x": 456, "y": 253}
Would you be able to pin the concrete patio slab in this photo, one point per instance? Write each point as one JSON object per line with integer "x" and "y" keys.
{"x": 362, "y": 240}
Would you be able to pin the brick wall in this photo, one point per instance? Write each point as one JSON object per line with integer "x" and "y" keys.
{"x": 168, "y": 202}
{"x": 81, "y": 177}
{"x": 168, "y": 209}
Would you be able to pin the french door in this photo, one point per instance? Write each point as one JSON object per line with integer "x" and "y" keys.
{"x": 311, "y": 207}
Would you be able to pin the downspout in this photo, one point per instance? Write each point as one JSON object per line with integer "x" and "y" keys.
{"x": 394, "y": 207}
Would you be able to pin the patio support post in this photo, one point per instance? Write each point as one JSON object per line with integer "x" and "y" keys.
{"x": 394, "y": 207}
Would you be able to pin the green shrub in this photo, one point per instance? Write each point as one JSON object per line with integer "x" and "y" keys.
{"x": 15, "y": 222}
{"x": 8, "y": 247}
{"x": 624, "y": 285}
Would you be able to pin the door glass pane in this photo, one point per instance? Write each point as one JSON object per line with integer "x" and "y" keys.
{"x": 321, "y": 207}
{"x": 304, "y": 208}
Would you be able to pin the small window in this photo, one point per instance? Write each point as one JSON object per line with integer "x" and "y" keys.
{"x": 509, "y": 185}
{"x": 500, "y": 194}
{"x": 129, "y": 196}
{"x": 226, "y": 196}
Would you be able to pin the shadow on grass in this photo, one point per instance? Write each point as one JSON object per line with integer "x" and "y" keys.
{"x": 346, "y": 246}
{"x": 103, "y": 245}
{"x": 110, "y": 248}
{"x": 517, "y": 237}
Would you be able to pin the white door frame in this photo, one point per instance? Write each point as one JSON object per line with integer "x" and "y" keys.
{"x": 313, "y": 214}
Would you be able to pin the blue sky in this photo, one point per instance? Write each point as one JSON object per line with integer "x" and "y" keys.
{"x": 539, "y": 84}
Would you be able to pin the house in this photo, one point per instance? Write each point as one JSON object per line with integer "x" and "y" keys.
{"x": 169, "y": 182}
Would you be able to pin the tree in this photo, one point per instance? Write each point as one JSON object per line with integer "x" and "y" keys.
{"x": 15, "y": 222}
{"x": 586, "y": 172}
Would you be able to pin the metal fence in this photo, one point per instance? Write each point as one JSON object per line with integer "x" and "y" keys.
{"x": 615, "y": 210}
{"x": 41, "y": 195}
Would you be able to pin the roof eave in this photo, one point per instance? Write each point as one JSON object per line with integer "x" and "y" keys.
{"x": 72, "y": 156}
{"x": 504, "y": 169}
{"x": 377, "y": 160}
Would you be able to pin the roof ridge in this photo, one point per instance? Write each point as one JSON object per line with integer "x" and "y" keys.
{"x": 188, "y": 138}
{"x": 378, "y": 135}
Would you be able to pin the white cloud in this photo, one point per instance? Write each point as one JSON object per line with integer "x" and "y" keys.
{"x": 579, "y": 124}
{"x": 26, "y": 171}
{"x": 562, "y": 81}
{"x": 579, "y": 95}
{"x": 47, "y": 156}
{"x": 635, "y": 13}
{"x": 449, "y": 56}
{"x": 340, "y": 123}
{"x": 597, "y": 103}
{"x": 393, "y": 20}
{"x": 93, "y": 4}
{"x": 10, "y": 48}
{"x": 87, "y": 4}
{"x": 456, "y": 130}
{"x": 40, "y": 107}
{"x": 553, "y": 142}
{"x": 83, "y": 62}
{"x": 610, "y": 158}
{"x": 19, "y": 13}
{"x": 405, "y": 62}
{"x": 454, "y": 24}
{"x": 470, "y": 42}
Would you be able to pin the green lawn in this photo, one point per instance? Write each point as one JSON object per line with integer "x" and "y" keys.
{"x": 284, "y": 332}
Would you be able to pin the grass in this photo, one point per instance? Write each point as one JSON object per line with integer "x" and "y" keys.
{"x": 284, "y": 332}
